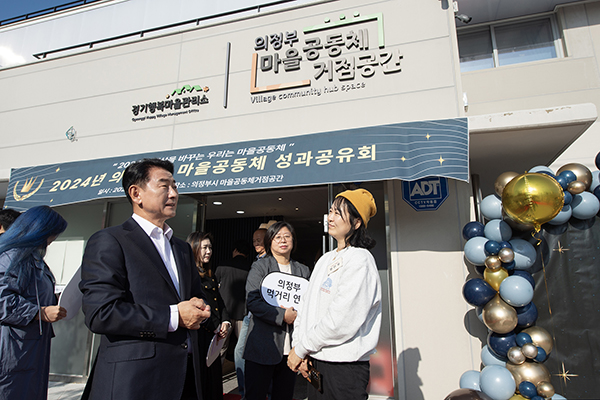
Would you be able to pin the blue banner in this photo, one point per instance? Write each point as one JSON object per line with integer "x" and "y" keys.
{"x": 407, "y": 151}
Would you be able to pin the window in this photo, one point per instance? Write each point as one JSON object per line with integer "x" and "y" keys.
{"x": 499, "y": 45}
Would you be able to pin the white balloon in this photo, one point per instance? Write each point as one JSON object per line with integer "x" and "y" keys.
{"x": 491, "y": 207}
{"x": 563, "y": 216}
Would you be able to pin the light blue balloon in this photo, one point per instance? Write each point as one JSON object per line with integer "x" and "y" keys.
{"x": 497, "y": 382}
{"x": 491, "y": 207}
{"x": 595, "y": 180}
{"x": 470, "y": 380}
{"x": 563, "y": 216}
{"x": 525, "y": 254}
{"x": 489, "y": 358}
{"x": 516, "y": 291}
{"x": 541, "y": 168}
{"x": 584, "y": 206}
{"x": 497, "y": 230}
{"x": 558, "y": 397}
{"x": 479, "y": 312}
{"x": 474, "y": 250}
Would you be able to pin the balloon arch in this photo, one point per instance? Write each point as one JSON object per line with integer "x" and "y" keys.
{"x": 513, "y": 358}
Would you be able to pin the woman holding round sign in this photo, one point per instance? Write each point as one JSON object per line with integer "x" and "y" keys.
{"x": 338, "y": 326}
{"x": 270, "y": 302}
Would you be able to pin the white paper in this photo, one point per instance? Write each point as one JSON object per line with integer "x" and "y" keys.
{"x": 71, "y": 296}
{"x": 214, "y": 350}
{"x": 281, "y": 289}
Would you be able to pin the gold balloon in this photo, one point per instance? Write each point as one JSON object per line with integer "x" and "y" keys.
{"x": 540, "y": 337}
{"x": 499, "y": 316}
{"x": 517, "y": 397}
{"x": 495, "y": 278}
{"x": 582, "y": 173}
{"x": 502, "y": 180}
{"x": 576, "y": 187}
{"x": 545, "y": 390}
{"x": 506, "y": 255}
{"x": 514, "y": 225}
{"x": 493, "y": 263}
{"x": 529, "y": 350}
{"x": 515, "y": 355}
{"x": 532, "y": 198}
{"x": 529, "y": 371}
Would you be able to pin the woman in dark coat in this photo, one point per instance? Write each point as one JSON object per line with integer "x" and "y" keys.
{"x": 269, "y": 334}
{"x": 218, "y": 323}
{"x": 27, "y": 304}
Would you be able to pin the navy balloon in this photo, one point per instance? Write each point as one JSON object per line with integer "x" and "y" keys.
{"x": 527, "y": 389}
{"x": 541, "y": 355}
{"x": 568, "y": 198}
{"x": 478, "y": 292}
{"x": 562, "y": 181}
{"x": 473, "y": 229}
{"x": 523, "y": 338}
{"x": 598, "y": 160}
{"x": 526, "y": 275}
{"x": 509, "y": 266}
{"x": 526, "y": 315}
{"x": 568, "y": 175}
{"x": 597, "y": 192}
{"x": 504, "y": 244}
{"x": 501, "y": 343}
{"x": 492, "y": 248}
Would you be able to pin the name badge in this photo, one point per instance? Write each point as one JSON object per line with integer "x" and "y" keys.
{"x": 334, "y": 266}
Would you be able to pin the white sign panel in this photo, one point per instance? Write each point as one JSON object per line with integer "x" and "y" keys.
{"x": 281, "y": 289}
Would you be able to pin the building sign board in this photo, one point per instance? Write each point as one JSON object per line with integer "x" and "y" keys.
{"x": 406, "y": 151}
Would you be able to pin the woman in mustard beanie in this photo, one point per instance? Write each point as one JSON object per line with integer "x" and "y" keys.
{"x": 338, "y": 326}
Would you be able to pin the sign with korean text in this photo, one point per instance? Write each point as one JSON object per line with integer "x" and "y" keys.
{"x": 406, "y": 151}
{"x": 426, "y": 194}
{"x": 283, "y": 290}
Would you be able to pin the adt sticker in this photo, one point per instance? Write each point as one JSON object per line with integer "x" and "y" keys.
{"x": 425, "y": 194}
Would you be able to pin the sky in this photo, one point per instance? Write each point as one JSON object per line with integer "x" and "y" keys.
{"x": 15, "y": 8}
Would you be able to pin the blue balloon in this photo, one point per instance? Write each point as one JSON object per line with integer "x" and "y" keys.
{"x": 550, "y": 174}
{"x": 595, "y": 180}
{"x": 500, "y": 343}
{"x": 541, "y": 169}
{"x": 527, "y": 389}
{"x": 478, "y": 292}
{"x": 563, "y": 216}
{"x": 562, "y": 181}
{"x": 490, "y": 358}
{"x": 523, "y": 338}
{"x": 568, "y": 198}
{"x": 569, "y": 176}
{"x": 526, "y": 316}
{"x": 525, "y": 275}
{"x": 598, "y": 160}
{"x": 470, "y": 380}
{"x": 558, "y": 397}
{"x": 497, "y": 382}
{"x": 516, "y": 291}
{"x": 536, "y": 397}
{"x": 472, "y": 229}
{"x": 585, "y": 205}
{"x": 491, "y": 207}
{"x": 474, "y": 250}
{"x": 480, "y": 269}
{"x": 504, "y": 244}
{"x": 541, "y": 355}
{"x": 492, "y": 248}
{"x": 525, "y": 254}
{"x": 479, "y": 312}
{"x": 509, "y": 266}
{"x": 497, "y": 230}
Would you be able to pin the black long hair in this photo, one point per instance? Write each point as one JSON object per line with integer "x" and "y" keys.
{"x": 195, "y": 240}
{"x": 355, "y": 237}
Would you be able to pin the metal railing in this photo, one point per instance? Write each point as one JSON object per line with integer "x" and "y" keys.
{"x": 141, "y": 33}
{"x": 45, "y": 11}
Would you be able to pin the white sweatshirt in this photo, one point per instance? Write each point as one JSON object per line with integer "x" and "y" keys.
{"x": 340, "y": 316}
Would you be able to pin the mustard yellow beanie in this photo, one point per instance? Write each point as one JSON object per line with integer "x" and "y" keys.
{"x": 363, "y": 201}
